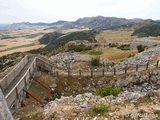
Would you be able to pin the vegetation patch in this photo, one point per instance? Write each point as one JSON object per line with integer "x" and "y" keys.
{"x": 141, "y": 48}
{"x": 16, "y": 47}
{"x": 78, "y": 48}
{"x": 92, "y": 52}
{"x": 2, "y": 45}
{"x": 100, "y": 108}
{"x": 107, "y": 90}
{"x": 148, "y": 30}
{"x": 88, "y": 35}
{"x": 47, "y": 38}
{"x": 33, "y": 35}
{"x": 95, "y": 61}
{"x": 124, "y": 47}
{"x": 113, "y": 44}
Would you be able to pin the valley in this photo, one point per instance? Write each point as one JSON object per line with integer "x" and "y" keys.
{"x": 100, "y": 70}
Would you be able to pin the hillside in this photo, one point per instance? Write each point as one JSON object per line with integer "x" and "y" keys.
{"x": 47, "y": 38}
{"x": 101, "y": 22}
{"x": 82, "y": 35}
{"x": 148, "y": 30}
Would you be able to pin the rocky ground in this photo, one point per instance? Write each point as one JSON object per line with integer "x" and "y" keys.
{"x": 140, "y": 94}
{"x": 139, "y": 97}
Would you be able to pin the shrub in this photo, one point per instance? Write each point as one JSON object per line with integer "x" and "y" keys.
{"x": 92, "y": 52}
{"x": 124, "y": 47}
{"x": 141, "y": 48}
{"x": 95, "y": 61}
{"x": 78, "y": 48}
{"x": 107, "y": 90}
{"x": 130, "y": 55}
{"x": 100, "y": 108}
{"x": 112, "y": 45}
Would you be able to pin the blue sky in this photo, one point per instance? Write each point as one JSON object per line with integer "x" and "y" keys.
{"x": 70, "y": 10}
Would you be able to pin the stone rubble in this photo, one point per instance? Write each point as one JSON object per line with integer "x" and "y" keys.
{"x": 140, "y": 58}
{"x": 133, "y": 86}
{"x": 67, "y": 59}
{"x": 143, "y": 41}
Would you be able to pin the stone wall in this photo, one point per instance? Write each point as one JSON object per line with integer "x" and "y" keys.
{"x": 5, "y": 113}
{"x": 143, "y": 41}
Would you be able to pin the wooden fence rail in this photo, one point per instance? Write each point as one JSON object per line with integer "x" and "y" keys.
{"x": 103, "y": 72}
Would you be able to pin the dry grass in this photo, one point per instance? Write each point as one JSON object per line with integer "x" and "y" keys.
{"x": 32, "y": 109}
{"x": 116, "y": 54}
{"x": 156, "y": 38}
{"x": 119, "y": 35}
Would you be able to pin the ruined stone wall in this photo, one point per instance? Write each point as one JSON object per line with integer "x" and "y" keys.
{"x": 144, "y": 41}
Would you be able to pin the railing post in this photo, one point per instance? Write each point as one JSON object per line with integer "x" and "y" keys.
{"x": 137, "y": 67}
{"x": 80, "y": 73}
{"x": 68, "y": 73}
{"x": 147, "y": 65}
{"x": 103, "y": 73}
{"x": 114, "y": 71}
{"x": 157, "y": 63}
{"x": 126, "y": 67}
{"x": 57, "y": 74}
{"x": 91, "y": 73}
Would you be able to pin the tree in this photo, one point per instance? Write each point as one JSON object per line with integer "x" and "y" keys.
{"x": 141, "y": 48}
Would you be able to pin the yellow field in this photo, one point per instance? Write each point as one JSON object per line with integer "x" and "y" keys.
{"x": 119, "y": 35}
{"x": 25, "y": 35}
{"x": 116, "y": 54}
{"x": 156, "y": 38}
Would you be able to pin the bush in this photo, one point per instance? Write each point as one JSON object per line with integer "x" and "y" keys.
{"x": 130, "y": 55}
{"x": 78, "y": 48}
{"x": 107, "y": 90}
{"x": 100, "y": 108}
{"x": 92, "y": 52}
{"x": 124, "y": 47}
{"x": 95, "y": 61}
{"x": 141, "y": 48}
{"x": 112, "y": 45}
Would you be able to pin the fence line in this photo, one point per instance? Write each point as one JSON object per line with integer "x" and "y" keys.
{"x": 103, "y": 71}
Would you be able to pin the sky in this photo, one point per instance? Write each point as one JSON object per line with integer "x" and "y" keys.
{"x": 49, "y": 11}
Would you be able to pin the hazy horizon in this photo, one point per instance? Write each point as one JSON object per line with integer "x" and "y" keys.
{"x": 49, "y": 11}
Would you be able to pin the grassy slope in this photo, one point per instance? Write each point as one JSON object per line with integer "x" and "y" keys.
{"x": 117, "y": 35}
{"x": 148, "y": 30}
{"x": 49, "y": 37}
{"x": 83, "y": 35}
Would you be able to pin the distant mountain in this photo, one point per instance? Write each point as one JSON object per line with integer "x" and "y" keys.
{"x": 103, "y": 22}
{"x": 41, "y": 23}
{"x": 157, "y": 20}
{"x": 4, "y": 25}
{"x": 91, "y": 22}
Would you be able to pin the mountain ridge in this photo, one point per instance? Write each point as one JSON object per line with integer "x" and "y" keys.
{"x": 91, "y": 22}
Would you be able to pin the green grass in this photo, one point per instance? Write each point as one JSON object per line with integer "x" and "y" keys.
{"x": 12, "y": 48}
{"x": 107, "y": 90}
{"x": 33, "y": 35}
{"x": 92, "y": 52}
{"x": 100, "y": 108}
